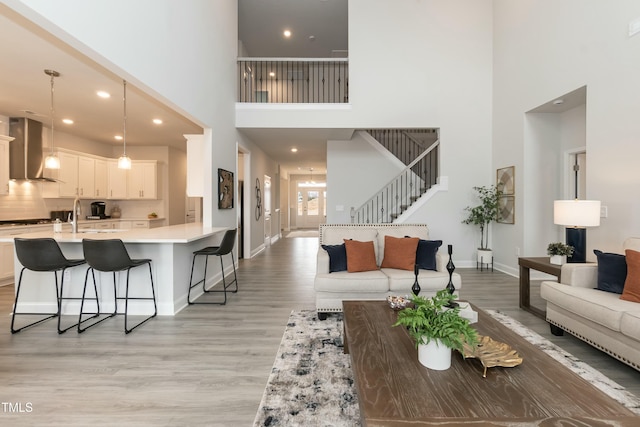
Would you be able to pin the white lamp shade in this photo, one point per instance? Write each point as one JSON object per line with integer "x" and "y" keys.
{"x": 124, "y": 162}
{"x": 52, "y": 162}
{"x": 576, "y": 213}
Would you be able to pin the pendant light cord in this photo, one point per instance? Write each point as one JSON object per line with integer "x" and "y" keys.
{"x": 124, "y": 124}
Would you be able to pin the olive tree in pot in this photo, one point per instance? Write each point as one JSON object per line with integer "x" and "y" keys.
{"x": 436, "y": 328}
{"x": 482, "y": 215}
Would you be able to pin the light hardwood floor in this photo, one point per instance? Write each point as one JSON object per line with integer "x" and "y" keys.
{"x": 208, "y": 365}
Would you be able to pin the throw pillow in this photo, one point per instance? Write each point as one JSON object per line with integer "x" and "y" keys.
{"x": 426, "y": 254}
{"x": 361, "y": 256}
{"x": 400, "y": 252}
{"x": 337, "y": 257}
{"x": 631, "y": 290}
{"x": 612, "y": 271}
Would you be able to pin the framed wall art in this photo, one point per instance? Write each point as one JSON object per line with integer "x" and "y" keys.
{"x": 506, "y": 183}
{"x": 225, "y": 189}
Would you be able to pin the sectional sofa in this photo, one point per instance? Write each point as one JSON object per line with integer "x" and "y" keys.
{"x": 579, "y": 305}
{"x": 332, "y": 288}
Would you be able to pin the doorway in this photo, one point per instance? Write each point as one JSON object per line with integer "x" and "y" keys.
{"x": 311, "y": 208}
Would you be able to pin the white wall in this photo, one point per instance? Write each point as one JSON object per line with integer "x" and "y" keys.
{"x": 356, "y": 171}
{"x": 546, "y": 48}
{"x": 261, "y": 165}
{"x": 436, "y": 72}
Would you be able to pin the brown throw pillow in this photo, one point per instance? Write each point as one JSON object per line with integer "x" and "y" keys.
{"x": 361, "y": 256}
{"x": 400, "y": 252}
{"x": 631, "y": 291}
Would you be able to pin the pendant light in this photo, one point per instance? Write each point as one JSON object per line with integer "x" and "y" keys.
{"x": 52, "y": 161}
{"x": 124, "y": 162}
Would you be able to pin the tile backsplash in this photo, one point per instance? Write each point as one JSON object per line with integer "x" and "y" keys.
{"x": 23, "y": 202}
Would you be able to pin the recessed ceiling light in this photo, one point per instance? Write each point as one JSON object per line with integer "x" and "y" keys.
{"x": 118, "y": 137}
{"x": 157, "y": 121}
{"x": 67, "y": 121}
{"x": 103, "y": 94}
{"x": 287, "y": 33}
{"x": 272, "y": 74}
{"x": 294, "y": 150}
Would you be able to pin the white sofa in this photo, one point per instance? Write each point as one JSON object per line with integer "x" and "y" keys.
{"x": 332, "y": 288}
{"x": 597, "y": 317}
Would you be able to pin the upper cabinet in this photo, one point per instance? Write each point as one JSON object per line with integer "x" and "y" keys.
{"x": 101, "y": 175}
{"x": 140, "y": 182}
{"x": 117, "y": 181}
{"x": 93, "y": 177}
{"x": 143, "y": 180}
{"x": 4, "y": 164}
{"x": 66, "y": 178}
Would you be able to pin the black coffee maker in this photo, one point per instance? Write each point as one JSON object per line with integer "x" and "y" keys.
{"x": 98, "y": 209}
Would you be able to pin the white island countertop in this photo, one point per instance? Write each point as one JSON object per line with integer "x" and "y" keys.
{"x": 170, "y": 248}
{"x": 181, "y": 233}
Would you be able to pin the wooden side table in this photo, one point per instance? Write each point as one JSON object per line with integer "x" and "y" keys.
{"x": 539, "y": 264}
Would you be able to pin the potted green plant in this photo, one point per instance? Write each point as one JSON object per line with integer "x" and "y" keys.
{"x": 559, "y": 252}
{"x": 482, "y": 215}
{"x": 437, "y": 328}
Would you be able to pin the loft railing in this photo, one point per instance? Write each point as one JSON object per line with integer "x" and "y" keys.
{"x": 405, "y": 144}
{"x": 402, "y": 191}
{"x": 293, "y": 80}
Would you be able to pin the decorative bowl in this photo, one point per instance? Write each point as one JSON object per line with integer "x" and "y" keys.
{"x": 397, "y": 303}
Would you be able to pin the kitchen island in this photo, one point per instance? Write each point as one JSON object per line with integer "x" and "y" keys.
{"x": 170, "y": 249}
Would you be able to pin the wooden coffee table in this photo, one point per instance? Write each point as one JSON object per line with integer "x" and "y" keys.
{"x": 394, "y": 389}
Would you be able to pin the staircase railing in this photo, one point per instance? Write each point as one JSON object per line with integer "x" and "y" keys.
{"x": 402, "y": 144}
{"x": 402, "y": 191}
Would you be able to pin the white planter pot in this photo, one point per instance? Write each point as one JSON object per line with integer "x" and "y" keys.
{"x": 485, "y": 256}
{"x": 558, "y": 259}
{"x": 434, "y": 355}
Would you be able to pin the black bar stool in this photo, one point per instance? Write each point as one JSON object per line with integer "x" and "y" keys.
{"x": 226, "y": 247}
{"x": 110, "y": 255}
{"x": 42, "y": 255}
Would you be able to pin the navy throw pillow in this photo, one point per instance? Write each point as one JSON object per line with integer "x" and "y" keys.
{"x": 337, "y": 257}
{"x": 426, "y": 254}
{"x": 612, "y": 271}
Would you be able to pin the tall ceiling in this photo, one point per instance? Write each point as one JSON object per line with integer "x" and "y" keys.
{"x": 319, "y": 29}
{"x": 28, "y": 50}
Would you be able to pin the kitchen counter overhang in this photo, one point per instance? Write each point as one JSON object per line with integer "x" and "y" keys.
{"x": 170, "y": 249}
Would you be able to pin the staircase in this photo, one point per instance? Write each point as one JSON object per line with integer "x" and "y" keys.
{"x": 419, "y": 150}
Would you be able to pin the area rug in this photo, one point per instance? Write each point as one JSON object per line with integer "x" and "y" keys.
{"x": 311, "y": 382}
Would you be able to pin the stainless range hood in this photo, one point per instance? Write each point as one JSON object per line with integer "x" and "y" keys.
{"x": 26, "y": 160}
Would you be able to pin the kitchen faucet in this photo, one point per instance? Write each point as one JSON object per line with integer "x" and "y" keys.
{"x": 77, "y": 212}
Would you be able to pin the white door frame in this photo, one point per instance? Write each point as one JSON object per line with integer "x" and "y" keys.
{"x": 247, "y": 199}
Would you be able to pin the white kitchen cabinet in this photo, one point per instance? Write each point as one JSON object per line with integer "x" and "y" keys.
{"x": 125, "y": 225}
{"x": 101, "y": 177}
{"x": 67, "y": 175}
{"x": 4, "y": 164}
{"x": 143, "y": 180}
{"x": 116, "y": 181}
{"x": 86, "y": 177}
{"x": 75, "y": 176}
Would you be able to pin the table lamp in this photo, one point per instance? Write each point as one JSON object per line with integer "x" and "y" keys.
{"x": 575, "y": 215}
